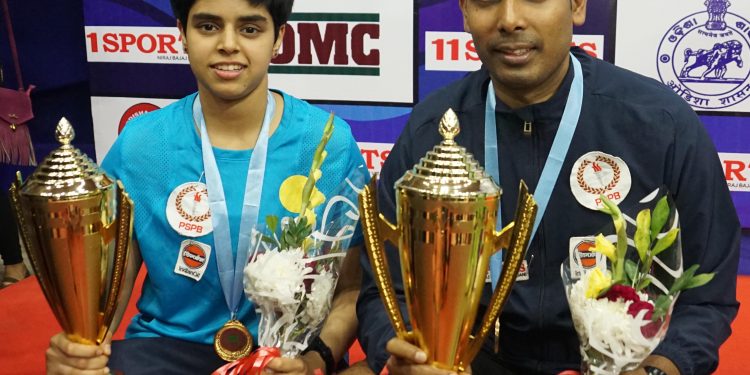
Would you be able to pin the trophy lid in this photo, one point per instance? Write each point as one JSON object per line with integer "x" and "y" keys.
{"x": 66, "y": 173}
{"x": 448, "y": 171}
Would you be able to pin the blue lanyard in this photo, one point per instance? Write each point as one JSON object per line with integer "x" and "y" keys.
{"x": 229, "y": 275}
{"x": 552, "y": 166}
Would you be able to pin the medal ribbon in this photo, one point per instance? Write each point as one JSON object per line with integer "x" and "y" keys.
{"x": 552, "y": 166}
{"x": 254, "y": 364}
{"x": 231, "y": 275}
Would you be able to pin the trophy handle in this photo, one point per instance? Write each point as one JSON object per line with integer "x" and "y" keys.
{"x": 124, "y": 228}
{"x": 377, "y": 230}
{"x": 526, "y": 210}
{"x": 33, "y": 248}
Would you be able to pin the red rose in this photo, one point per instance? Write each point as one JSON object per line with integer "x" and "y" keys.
{"x": 650, "y": 329}
{"x": 637, "y": 306}
{"x": 625, "y": 292}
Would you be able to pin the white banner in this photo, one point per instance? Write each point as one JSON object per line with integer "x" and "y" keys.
{"x": 699, "y": 48}
{"x": 348, "y": 50}
{"x": 332, "y": 51}
{"x": 111, "y": 114}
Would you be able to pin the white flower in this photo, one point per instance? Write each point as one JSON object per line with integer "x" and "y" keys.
{"x": 276, "y": 277}
{"x": 319, "y": 298}
{"x": 607, "y": 327}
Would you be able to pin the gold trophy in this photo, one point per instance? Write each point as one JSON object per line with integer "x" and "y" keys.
{"x": 76, "y": 224}
{"x": 446, "y": 211}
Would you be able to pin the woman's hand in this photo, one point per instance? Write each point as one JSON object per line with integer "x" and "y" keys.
{"x": 68, "y": 357}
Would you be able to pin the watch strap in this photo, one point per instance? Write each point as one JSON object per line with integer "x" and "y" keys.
{"x": 318, "y": 345}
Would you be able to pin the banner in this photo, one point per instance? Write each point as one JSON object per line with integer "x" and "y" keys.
{"x": 371, "y": 61}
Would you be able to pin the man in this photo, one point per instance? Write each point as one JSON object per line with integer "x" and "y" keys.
{"x": 216, "y": 140}
{"x": 635, "y": 126}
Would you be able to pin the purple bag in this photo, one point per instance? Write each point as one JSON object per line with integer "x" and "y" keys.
{"x": 15, "y": 113}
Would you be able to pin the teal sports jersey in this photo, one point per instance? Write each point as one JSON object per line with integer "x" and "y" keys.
{"x": 161, "y": 150}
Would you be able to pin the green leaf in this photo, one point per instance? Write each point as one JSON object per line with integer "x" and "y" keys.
{"x": 661, "y": 306}
{"x": 268, "y": 240}
{"x": 699, "y": 280}
{"x": 683, "y": 280}
{"x": 609, "y": 207}
{"x": 660, "y": 216}
{"x": 642, "y": 237}
{"x": 272, "y": 222}
{"x": 631, "y": 269}
{"x": 644, "y": 283}
{"x": 665, "y": 242}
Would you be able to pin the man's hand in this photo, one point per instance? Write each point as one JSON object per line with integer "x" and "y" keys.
{"x": 408, "y": 359}
{"x": 67, "y": 357}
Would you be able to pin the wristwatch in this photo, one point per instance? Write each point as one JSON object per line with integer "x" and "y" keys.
{"x": 651, "y": 370}
{"x": 318, "y": 345}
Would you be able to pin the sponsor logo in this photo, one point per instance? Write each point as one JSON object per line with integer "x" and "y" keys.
{"x": 736, "y": 170}
{"x": 455, "y": 51}
{"x": 374, "y": 154}
{"x": 127, "y": 44}
{"x": 703, "y": 56}
{"x": 584, "y": 253}
{"x": 133, "y": 112}
{"x": 193, "y": 256}
{"x": 330, "y": 44}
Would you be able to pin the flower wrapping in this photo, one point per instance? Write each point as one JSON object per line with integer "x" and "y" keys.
{"x": 621, "y": 312}
{"x": 292, "y": 282}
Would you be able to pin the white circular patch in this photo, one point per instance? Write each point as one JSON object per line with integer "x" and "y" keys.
{"x": 595, "y": 174}
{"x": 188, "y": 210}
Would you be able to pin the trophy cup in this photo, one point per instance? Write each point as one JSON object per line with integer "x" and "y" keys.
{"x": 446, "y": 211}
{"x": 76, "y": 224}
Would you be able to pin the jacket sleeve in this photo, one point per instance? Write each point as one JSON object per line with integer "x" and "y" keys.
{"x": 375, "y": 328}
{"x": 710, "y": 230}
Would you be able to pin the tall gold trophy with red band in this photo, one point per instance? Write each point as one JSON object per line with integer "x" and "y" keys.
{"x": 76, "y": 224}
{"x": 445, "y": 233}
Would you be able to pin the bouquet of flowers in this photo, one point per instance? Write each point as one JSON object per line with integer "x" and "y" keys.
{"x": 621, "y": 314}
{"x": 294, "y": 263}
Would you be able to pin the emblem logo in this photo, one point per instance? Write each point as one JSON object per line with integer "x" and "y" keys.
{"x": 702, "y": 57}
{"x": 597, "y": 173}
{"x": 188, "y": 210}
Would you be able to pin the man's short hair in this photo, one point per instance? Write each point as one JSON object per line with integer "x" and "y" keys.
{"x": 279, "y": 10}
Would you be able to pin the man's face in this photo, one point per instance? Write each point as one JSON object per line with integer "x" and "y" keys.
{"x": 523, "y": 43}
{"x": 230, "y": 44}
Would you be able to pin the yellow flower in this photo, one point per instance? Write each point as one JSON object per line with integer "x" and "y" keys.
{"x": 603, "y": 246}
{"x": 290, "y": 195}
{"x": 598, "y": 281}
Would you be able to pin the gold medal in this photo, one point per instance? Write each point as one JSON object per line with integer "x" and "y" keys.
{"x": 233, "y": 341}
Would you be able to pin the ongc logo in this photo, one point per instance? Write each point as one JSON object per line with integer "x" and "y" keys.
{"x": 329, "y": 43}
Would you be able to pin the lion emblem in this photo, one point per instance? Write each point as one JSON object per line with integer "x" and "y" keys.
{"x": 715, "y": 60}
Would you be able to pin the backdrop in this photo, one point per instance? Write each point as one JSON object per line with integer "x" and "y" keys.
{"x": 370, "y": 61}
